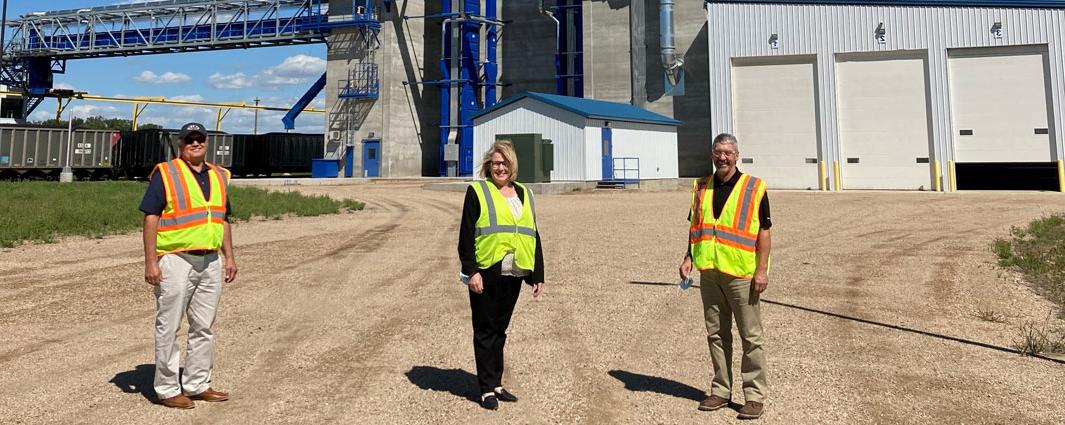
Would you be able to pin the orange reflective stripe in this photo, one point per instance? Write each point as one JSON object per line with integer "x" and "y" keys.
{"x": 741, "y": 185}
{"x": 185, "y": 225}
{"x": 737, "y": 245}
{"x": 185, "y": 187}
{"x": 168, "y": 185}
{"x": 751, "y": 208}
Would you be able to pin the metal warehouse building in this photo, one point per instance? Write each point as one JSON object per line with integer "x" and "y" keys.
{"x": 889, "y": 94}
{"x": 593, "y": 139}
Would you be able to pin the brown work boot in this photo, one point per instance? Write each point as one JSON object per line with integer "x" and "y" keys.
{"x": 177, "y": 402}
{"x": 211, "y": 395}
{"x": 751, "y": 410}
{"x": 713, "y": 403}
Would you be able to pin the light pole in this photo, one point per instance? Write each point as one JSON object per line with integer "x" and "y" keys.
{"x": 255, "y": 128}
{"x": 67, "y": 175}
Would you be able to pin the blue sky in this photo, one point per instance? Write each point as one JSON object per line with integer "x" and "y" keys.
{"x": 277, "y": 75}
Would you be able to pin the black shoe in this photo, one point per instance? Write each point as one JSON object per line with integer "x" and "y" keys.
{"x": 505, "y": 395}
{"x": 490, "y": 402}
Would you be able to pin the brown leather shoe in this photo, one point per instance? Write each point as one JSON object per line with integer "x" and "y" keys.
{"x": 713, "y": 403}
{"x": 177, "y": 402}
{"x": 751, "y": 410}
{"x": 211, "y": 395}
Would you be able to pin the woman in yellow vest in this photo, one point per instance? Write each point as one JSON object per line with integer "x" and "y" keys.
{"x": 499, "y": 248}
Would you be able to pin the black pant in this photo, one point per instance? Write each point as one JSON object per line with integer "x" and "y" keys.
{"x": 491, "y": 315}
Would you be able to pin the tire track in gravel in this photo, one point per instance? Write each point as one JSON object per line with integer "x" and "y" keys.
{"x": 379, "y": 328}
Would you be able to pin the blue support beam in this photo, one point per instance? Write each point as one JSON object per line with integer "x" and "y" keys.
{"x": 289, "y": 120}
{"x": 467, "y": 84}
{"x": 569, "y": 56}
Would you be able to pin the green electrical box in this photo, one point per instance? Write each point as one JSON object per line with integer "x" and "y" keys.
{"x": 536, "y": 156}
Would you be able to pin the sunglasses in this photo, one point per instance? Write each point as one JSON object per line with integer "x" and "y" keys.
{"x": 196, "y": 140}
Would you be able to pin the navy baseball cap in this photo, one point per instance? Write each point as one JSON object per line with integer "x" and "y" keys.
{"x": 192, "y": 127}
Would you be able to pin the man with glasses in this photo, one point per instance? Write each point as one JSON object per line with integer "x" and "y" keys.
{"x": 186, "y": 223}
{"x": 728, "y": 242}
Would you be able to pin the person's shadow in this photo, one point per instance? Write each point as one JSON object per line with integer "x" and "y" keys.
{"x": 138, "y": 380}
{"x": 455, "y": 381}
{"x": 640, "y": 382}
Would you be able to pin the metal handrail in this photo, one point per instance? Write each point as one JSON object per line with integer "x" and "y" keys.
{"x": 629, "y": 173}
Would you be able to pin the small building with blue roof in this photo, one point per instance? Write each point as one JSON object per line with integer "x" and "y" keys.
{"x": 594, "y": 140}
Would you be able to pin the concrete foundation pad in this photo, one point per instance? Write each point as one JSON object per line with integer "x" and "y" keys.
{"x": 571, "y": 186}
{"x": 344, "y": 181}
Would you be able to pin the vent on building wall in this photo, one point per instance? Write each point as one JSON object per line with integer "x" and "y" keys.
{"x": 922, "y": 160}
{"x": 747, "y": 160}
{"x": 1042, "y": 131}
{"x": 966, "y": 132}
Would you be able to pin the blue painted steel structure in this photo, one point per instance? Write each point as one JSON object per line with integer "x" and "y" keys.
{"x": 569, "y": 52}
{"x": 467, "y": 84}
{"x": 42, "y": 42}
{"x": 289, "y": 120}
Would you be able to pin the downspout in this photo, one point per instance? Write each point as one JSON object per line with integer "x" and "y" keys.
{"x": 453, "y": 91}
{"x": 558, "y": 60}
{"x": 671, "y": 61}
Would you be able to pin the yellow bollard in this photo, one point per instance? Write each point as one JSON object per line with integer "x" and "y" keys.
{"x": 835, "y": 165}
{"x": 950, "y": 172}
{"x": 824, "y": 177}
{"x": 1061, "y": 176}
{"x": 939, "y": 176}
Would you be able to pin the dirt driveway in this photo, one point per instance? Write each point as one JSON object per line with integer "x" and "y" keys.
{"x": 360, "y": 318}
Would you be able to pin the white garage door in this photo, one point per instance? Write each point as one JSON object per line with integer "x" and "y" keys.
{"x": 883, "y": 123}
{"x": 775, "y": 120}
{"x": 999, "y": 106}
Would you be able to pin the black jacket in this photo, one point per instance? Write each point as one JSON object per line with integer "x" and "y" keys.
{"x": 471, "y": 210}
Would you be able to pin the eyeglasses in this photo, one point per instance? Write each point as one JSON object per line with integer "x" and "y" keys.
{"x": 723, "y": 153}
{"x": 498, "y": 164}
{"x": 196, "y": 140}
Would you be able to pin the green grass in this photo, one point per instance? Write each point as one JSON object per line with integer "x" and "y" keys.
{"x": 43, "y": 211}
{"x": 1038, "y": 251}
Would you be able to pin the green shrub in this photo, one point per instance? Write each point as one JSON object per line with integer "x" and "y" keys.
{"x": 1038, "y": 251}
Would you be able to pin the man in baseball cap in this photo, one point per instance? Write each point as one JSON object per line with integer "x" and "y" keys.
{"x": 192, "y": 128}
{"x": 188, "y": 255}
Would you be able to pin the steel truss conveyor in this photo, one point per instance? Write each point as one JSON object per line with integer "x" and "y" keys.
{"x": 40, "y": 43}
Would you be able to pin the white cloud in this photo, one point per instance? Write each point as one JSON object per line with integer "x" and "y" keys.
{"x": 166, "y": 78}
{"x": 187, "y": 98}
{"x": 294, "y": 70}
{"x": 64, "y": 86}
{"x": 231, "y": 81}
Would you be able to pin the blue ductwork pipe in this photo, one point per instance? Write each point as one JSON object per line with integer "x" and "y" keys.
{"x": 289, "y": 120}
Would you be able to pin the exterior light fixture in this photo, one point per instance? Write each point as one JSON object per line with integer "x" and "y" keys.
{"x": 774, "y": 41}
{"x": 880, "y": 34}
{"x": 996, "y": 30}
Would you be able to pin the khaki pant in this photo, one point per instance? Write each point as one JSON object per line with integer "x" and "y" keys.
{"x": 191, "y": 287}
{"x": 725, "y": 297}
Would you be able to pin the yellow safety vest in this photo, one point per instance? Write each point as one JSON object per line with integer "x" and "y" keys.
{"x": 727, "y": 243}
{"x": 497, "y": 233}
{"x": 190, "y": 221}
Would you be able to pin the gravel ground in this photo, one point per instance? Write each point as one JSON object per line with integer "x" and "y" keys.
{"x": 360, "y": 318}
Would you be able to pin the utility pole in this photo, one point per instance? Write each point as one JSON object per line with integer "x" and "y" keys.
{"x": 255, "y": 128}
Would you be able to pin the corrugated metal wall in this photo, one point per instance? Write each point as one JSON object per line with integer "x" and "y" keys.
{"x": 526, "y": 116}
{"x": 654, "y": 145}
{"x": 744, "y": 30}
